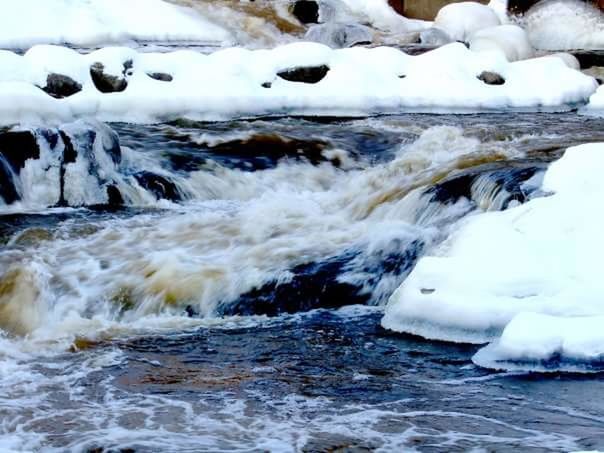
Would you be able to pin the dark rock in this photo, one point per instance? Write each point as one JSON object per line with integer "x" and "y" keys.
{"x": 161, "y": 187}
{"x": 61, "y": 86}
{"x": 310, "y": 74}
{"x": 107, "y": 83}
{"x": 8, "y": 189}
{"x": 265, "y": 150}
{"x": 114, "y": 196}
{"x": 17, "y": 147}
{"x": 161, "y": 76}
{"x": 306, "y": 11}
{"x": 504, "y": 178}
{"x": 317, "y": 285}
{"x": 491, "y": 78}
{"x": 267, "y": 85}
{"x": 398, "y": 6}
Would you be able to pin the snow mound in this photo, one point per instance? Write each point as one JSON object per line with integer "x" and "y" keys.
{"x": 25, "y": 23}
{"x": 462, "y": 20}
{"x": 381, "y": 15}
{"x": 565, "y": 25}
{"x": 296, "y": 79}
{"x": 596, "y": 103}
{"x": 527, "y": 277}
{"x": 511, "y": 40}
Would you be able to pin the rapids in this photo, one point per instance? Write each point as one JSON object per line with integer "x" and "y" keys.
{"x": 219, "y": 286}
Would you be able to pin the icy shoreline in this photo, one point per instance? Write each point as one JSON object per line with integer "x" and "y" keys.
{"x": 295, "y": 79}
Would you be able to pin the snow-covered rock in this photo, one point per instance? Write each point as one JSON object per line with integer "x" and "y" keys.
{"x": 25, "y": 23}
{"x": 237, "y": 82}
{"x": 565, "y": 25}
{"x": 511, "y": 40}
{"x": 528, "y": 277}
{"x": 462, "y": 20}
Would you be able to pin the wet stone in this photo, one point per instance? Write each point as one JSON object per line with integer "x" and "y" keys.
{"x": 491, "y": 78}
{"x": 161, "y": 187}
{"x": 60, "y": 86}
{"x": 310, "y": 74}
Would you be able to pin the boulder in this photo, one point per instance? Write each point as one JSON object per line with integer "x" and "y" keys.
{"x": 60, "y": 86}
{"x": 108, "y": 83}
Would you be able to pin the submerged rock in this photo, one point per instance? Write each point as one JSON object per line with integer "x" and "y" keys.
{"x": 60, "y": 86}
{"x": 309, "y": 74}
{"x": 323, "y": 285}
{"x": 160, "y": 186}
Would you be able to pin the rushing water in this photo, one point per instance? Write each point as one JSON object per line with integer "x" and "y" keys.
{"x": 229, "y": 298}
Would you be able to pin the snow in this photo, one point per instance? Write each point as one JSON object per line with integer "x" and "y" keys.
{"x": 511, "y": 40}
{"x": 565, "y": 25}
{"x": 596, "y": 103}
{"x": 25, "y": 23}
{"x": 542, "y": 342}
{"x": 229, "y": 83}
{"x": 462, "y": 20}
{"x": 527, "y": 278}
{"x": 381, "y": 15}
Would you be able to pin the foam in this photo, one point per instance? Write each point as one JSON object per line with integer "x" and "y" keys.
{"x": 565, "y": 25}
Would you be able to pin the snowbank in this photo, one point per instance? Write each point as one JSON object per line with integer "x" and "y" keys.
{"x": 510, "y": 40}
{"x": 25, "y": 23}
{"x": 596, "y": 103}
{"x": 381, "y": 15}
{"x": 242, "y": 83}
{"x": 462, "y": 20}
{"x": 502, "y": 272}
{"x": 565, "y": 25}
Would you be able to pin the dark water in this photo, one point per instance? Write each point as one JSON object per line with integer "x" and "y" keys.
{"x": 327, "y": 380}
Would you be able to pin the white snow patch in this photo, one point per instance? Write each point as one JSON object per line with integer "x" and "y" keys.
{"x": 462, "y": 20}
{"x": 237, "y": 82}
{"x": 25, "y": 23}
{"x": 511, "y": 40}
{"x": 532, "y": 270}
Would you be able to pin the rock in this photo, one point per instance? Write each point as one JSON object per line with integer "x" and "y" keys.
{"x": 434, "y": 37}
{"x": 306, "y": 11}
{"x": 597, "y": 72}
{"x": 107, "y": 83}
{"x": 114, "y": 196}
{"x": 319, "y": 284}
{"x": 310, "y": 74}
{"x": 16, "y": 147}
{"x": 60, "y": 86}
{"x": 338, "y": 36}
{"x": 161, "y": 187}
{"x": 491, "y": 78}
{"x": 505, "y": 181}
{"x": 161, "y": 76}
